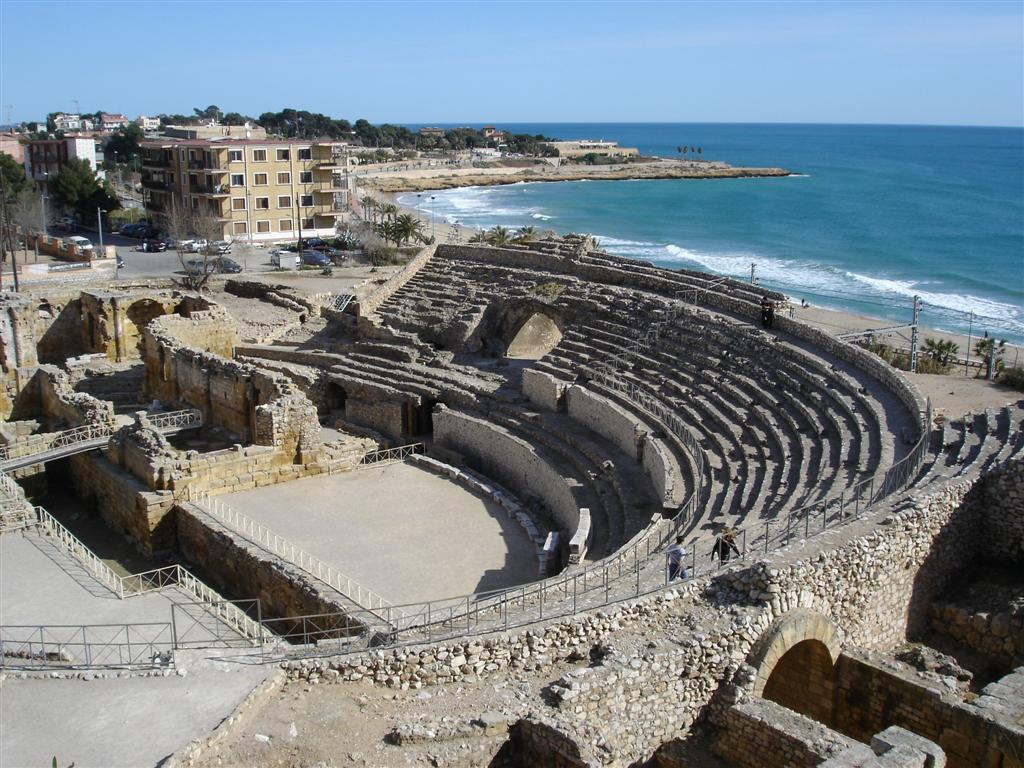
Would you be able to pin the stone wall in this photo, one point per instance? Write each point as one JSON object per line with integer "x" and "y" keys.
{"x": 511, "y": 461}
{"x": 870, "y": 697}
{"x": 240, "y": 570}
{"x": 999, "y": 635}
{"x": 613, "y": 423}
{"x": 758, "y": 733}
{"x": 49, "y": 397}
{"x": 368, "y": 304}
{"x": 1003, "y": 514}
{"x": 543, "y": 389}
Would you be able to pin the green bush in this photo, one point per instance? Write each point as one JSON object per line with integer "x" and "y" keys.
{"x": 1012, "y": 377}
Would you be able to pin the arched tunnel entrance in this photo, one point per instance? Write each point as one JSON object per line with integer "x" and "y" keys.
{"x": 534, "y": 339}
{"x": 795, "y": 661}
{"x": 802, "y": 681}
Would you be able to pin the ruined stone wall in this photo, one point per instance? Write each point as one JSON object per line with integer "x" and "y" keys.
{"x": 512, "y": 462}
{"x": 1003, "y": 514}
{"x": 871, "y": 697}
{"x": 124, "y": 503}
{"x": 543, "y": 389}
{"x": 758, "y": 733}
{"x": 50, "y": 397}
{"x": 238, "y": 568}
{"x": 384, "y": 416}
{"x": 874, "y": 578}
{"x": 613, "y": 423}
{"x": 998, "y": 635}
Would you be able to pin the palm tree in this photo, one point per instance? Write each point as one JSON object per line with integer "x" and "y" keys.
{"x": 525, "y": 235}
{"x": 388, "y": 210}
{"x": 942, "y": 351}
{"x": 499, "y": 236}
{"x": 984, "y": 347}
{"x": 479, "y": 237}
{"x": 408, "y": 227}
{"x": 370, "y": 206}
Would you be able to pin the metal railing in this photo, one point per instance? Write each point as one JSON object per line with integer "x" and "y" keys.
{"x": 84, "y": 436}
{"x": 341, "y": 301}
{"x": 387, "y": 455}
{"x": 278, "y": 545}
{"x": 93, "y": 645}
{"x": 52, "y": 527}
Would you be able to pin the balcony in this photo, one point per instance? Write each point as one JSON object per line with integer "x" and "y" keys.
{"x": 157, "y": 186}
{"x": 210, "y": 190}
{"x": 207, "y": 166}
{"x": 156, "y": 162}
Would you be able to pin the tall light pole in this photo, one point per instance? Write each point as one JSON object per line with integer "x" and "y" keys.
{"x": 46, "y": 179}
{"x": 432, "y": 217}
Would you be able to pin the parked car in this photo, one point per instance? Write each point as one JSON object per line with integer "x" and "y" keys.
{"x": 282, "y": 257}
{"x": 314, "y": 259}
{"x": 314, "y": 244}
{"x": 67, "y": 223}
{"x": 225, "y": 265}
{"x": 153, "y": 245}
{"x": 137, "y": 230}
{"x": 192, "y": 246}
{"x": 82, "y": 243}
{"x": 219, "y": 246}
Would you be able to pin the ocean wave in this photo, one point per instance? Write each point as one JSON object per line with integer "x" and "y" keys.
{"x": 955, "y": 302}
{"x": 541, "y": 216}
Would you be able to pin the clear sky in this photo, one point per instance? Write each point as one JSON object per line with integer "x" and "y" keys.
{"x": 425, "y": 62}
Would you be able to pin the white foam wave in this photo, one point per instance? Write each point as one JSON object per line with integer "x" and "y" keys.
{"x": 541, "y": 216}
{"x": 956, "y": 302}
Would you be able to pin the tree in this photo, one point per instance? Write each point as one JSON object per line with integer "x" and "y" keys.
{"x": 76, "y": 187}
{"x": 387, "y": 210}
{"x": 499, "y": 236}
{"x": 370, "y": 206}
{"x": 408, "y": 227}
{"x": 525, "y": 235}
{"x": 983, "y": 348}
{"x": 12, "y": 177}
{"x": 942, "y": 351}
{"x": 124, "y": 144}
{"x": 182, "y": 225}
{"x": 212, "y": 112}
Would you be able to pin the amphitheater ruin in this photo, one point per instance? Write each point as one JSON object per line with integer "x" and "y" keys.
{"x": 458, "y": 483}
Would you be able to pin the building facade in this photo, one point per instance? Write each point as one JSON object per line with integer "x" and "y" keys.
{"x": 147, "y": 123}
{"x": 47, "y": 156}
{"x": 255, "y": 189}
{"x": 112, "y": 122}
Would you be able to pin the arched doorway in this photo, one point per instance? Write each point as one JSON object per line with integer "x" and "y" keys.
{"x": 795, "y": 661}
{"x": 802, "y": 681}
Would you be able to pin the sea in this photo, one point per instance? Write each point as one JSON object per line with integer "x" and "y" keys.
{"x": 872, "y": 216}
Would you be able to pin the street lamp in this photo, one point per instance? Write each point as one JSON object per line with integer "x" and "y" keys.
{"x": 46, "y": 179}
{"x": 432, "y": 197}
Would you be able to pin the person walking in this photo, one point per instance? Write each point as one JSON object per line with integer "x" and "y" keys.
{"x": 677, "y": 561}
{"x": 725, "y": 546}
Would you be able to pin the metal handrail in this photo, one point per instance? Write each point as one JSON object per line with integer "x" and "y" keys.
{"x": 39, "y": 444}
{"x": 82, "y": 553}
{"x": 88, "y": 645}
{"x": 278, "y": 545}
{"x": 401, "y": 453}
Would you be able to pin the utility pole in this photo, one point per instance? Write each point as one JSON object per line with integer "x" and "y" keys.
{"x": 967, "y": 356}
{"x": 913, "y": 335}
{"x": 753, "y": 279}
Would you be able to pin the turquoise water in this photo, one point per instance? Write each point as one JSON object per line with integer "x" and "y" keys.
{"x": 876, "y": 215}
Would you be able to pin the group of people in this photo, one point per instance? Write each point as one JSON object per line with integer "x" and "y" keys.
{"x": 724, "y": 548}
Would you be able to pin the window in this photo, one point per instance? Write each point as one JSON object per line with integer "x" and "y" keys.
{"x": 306, "y": 177}
{"x": 284, "y": 154}
{"x": 237, "y": 179}
{"x": 239, "y": 228}
{"x": 259, "y": 155}
{"x": 192, "y": 155}
{"x": 307, "y": 224}
{"x": 306, "y": 153}
{"x": 284, "y": 201}
{"x": 235, "y": 156}
{"x": 193, "y": 180}
{"x": 263, "y": 226}
{"x": 259, "y": 179}
{"x": 237, "y": 203}
{"x": 284, "y": 178}
{"x": 305, "y": 201}
{"x": 285, "y": 225}
{"x": 262, "y": 203}
{"x": 195, "y": 203}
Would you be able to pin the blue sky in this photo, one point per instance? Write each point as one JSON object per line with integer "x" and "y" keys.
{"x": 862, "y": 62}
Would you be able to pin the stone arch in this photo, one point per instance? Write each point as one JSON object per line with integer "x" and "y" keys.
{"x": 138, "y": 315}
{"x": 533, "y": 326}
{"x": 795, "y": 662}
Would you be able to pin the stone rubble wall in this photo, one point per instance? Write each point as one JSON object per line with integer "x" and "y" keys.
{"x": 543, "y": 389}
{"x": 238, "y": 568}
{"x": 759, "y": 733}
{"x": 999, "y": 636}
{"x": 50, "y": 397}
{"x": 512, "y": 462}
{"x": 986, "y": 731}
{"x": 876, "y": 577}
{"x": 1003, "y": 514}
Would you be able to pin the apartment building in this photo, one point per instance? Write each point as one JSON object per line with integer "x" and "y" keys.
{"x": 256, "y": 189}
{"x": 46, "y": 157}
